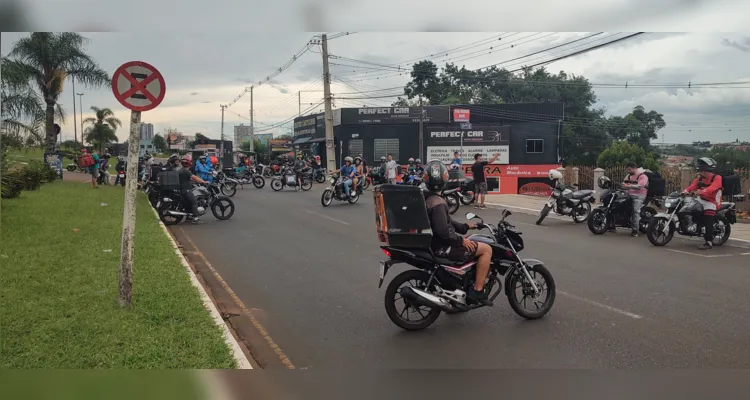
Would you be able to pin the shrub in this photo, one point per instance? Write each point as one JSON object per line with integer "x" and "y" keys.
{"x": 621, "y": 153}
{"x": 10, "y": 184}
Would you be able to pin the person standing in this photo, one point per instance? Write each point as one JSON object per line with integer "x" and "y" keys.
{"x": 390, "y": 170}
{"x": 636, "y": 184}
{"x": 456, "y": 162}
{"x": 95, "y": 167}
{"x": 477, "y": 171}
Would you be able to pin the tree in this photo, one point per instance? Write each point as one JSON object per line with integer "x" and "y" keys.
{"x": 637, "y": 127}
{"x": 103, "y": 129}
{"x": 159, "y": 143}
{"x": 23, "y": 111}
{"x": 620, "y": 153}
{"x": 402, "y": 102}
{"x": 44, "y": 60}
{"x": 729, "y": 158}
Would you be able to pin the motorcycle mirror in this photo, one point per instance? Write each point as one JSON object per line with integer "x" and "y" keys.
{"x": 506, "y": 213}
{"x": 470, "y": 216}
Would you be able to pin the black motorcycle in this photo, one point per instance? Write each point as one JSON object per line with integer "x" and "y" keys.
{"x": 288, "y": 177}
{"x": 467, "y": 192}
{"x": 172, "y": 208}
{"x": 319, "y": 175}
{"x": 683, "y": 216}
{"x": 568, "y": 200}
{"x": 453, "y": 198}
{"x": 440, "y": 285}
{"x": 616, "y": 208}
{"x": 336, "y": 191}
{"x": 376, "y": 176}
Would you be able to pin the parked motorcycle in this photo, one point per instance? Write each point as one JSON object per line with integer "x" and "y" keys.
{"x": 289, "y": 178}
{"x": 453, "y": 198}
{"x": 467, "y": 192}
{"x": 336, "y": 191}
{"x": 319, "y": 175}
{"x": 568, "y": 200}
{"x": 227, "y": 186}
{"x": 376, "y": 176}
{"x": 616, "y": 208}
{"x": 172, "y": 208}
{"x": 121, "y": 176}
{"x": 441, "y": 285}
{"x": 683, "y": 216}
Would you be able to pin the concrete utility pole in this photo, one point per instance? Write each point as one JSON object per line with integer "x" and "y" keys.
{"x": 252, "y": 127}
{"x": 421, "y": 130}
{"x": 221, "y": 158}
{"x": 128, "y": 218}
{"x": 75, "y": 129}
{"x": 330, "y": 151}
{"x": 80, "y": 102}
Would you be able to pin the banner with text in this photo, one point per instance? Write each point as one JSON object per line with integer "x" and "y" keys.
{"x": 445, "y": 153}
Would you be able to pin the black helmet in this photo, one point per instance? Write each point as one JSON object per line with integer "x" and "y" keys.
{"x": 705, "y": 164}
{"x": 382, "y": 158}
{"x": 604, "y": 182}
{"x": 435, "y": 176}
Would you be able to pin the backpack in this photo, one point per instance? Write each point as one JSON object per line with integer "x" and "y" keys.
{"x": 730, "y": 183}
{"x": 657, "y": 186}
{"x": 86, "y": 160}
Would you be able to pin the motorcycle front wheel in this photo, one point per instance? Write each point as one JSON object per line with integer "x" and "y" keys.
{"x": 327, "y": 198}
{"x": 399, "y": 311}
{"x": 546, "y": 297}
{"x": 276, "y": 184}
{"x": 598, "y": 221}
{"x": 259, "y": 182}
{"x": 655, "y": 231}
{"x": 320, "y": 178}
{"x": 71, "y": 167}
{"x": 228, "y": 189}
{"x": 543, "y": 214}
{"x": 222, "y": 208}
{"x": 580, "y": 215}
{"x": 306, "y": 184}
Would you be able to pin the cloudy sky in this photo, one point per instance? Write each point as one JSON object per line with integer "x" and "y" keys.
{"x": 204, "y": 70}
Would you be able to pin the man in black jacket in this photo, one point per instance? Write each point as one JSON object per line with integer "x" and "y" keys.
{"x": 447, "y": 232}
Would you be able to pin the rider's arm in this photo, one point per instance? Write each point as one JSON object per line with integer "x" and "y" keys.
{"x": 442, "y": 226}
{"x": 196, "y": 178}
{"x": 460, "y": 227}
{"x": 693, "y": 186}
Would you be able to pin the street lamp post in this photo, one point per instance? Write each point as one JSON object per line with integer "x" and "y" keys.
{"x": 80, "y": 102}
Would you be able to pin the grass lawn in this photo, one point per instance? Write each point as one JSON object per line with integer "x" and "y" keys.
{"x": 60, "y": 255}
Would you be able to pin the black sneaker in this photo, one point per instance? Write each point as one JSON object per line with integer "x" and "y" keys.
{"x": 479, "y": 297}
{"x": 196, "y": 221}
{"x": 482, "y": 207}
{"x": 634, "y": 233}
{"x": 706, "y": 246}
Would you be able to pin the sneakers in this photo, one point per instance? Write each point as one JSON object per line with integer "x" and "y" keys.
{"x": 706, "y": 246}
{"x": 634, "y": 233}
{"x": 479, "y": 297}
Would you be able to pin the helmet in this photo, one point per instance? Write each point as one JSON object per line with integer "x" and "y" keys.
{"x": 435, "y": 176}
{"x": 147, "y": 156}
{"x": 358, "y": 159}
{"x": 173, "y": 159}
{"x": 418, "y": 161}
{"x": 705, "y": 164}
{"x": 349, "y": 159}
{"x": 299, "y": 156}
{"x": 555, "y": 174}
{"x": 185, "y": 160}
{"x": 121, "y": 158}
{"x": 202, "y": 157}
{"x": 604, "y": 182}
{"x": 411, "y": 160}
{"x": 382, "y": 159}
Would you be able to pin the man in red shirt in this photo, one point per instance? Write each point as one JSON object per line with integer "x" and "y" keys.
{"x": 708, "y": 191}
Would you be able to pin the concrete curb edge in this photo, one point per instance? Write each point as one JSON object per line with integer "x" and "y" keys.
{"x": 229, "y": 339}
{"x": 737, "y": 242}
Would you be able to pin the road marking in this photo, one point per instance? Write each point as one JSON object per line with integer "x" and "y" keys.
{"x": 263, "y": 332}
{"x": 327, "y": 217}
{"x": 604, "y": 306}
{"x": 745, "y": 254}
{"x": 699, "y": 255}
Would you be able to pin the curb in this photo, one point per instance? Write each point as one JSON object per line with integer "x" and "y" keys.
{"x": 234, "y": 346}
{"x": 742, "y": 243}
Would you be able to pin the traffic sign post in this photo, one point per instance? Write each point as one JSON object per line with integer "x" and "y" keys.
{"x": 139, "y": 87}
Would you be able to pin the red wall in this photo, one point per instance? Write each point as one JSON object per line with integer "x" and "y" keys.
{"x": 508, "y": 174}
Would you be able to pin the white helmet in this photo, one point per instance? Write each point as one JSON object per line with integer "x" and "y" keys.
{"x": 349, "y": 159}
{"x": 555, "y": 174}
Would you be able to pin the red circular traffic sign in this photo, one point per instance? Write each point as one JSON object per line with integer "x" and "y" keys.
{"x": 138, "y": 86}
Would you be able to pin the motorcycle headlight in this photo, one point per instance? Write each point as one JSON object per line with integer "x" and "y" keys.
{"x": 332, "y": 181}
{"x": 668, "y": 203}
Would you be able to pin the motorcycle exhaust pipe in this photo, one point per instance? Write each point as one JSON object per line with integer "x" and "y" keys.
{"x": 170, "y": 212}
{"x": 422, "y": 298}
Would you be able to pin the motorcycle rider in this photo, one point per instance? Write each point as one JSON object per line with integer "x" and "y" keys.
{"x": 447, "y": 232}
{"x": 203, "y": 168}
{"x": 359, "y": 171}
{"x": 186, "y": 179}
{"x": 411, "y": 169}
{"x": 299, "y": 165}
{"x": 636, "y": 183}
{"x": 707, "y": 188}
{"x": 418, "y": 167}
{"x": 347, "y": 173}
{"x": 120, "y": 166}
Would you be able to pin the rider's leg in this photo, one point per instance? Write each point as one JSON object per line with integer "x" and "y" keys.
{"x": 484, "y": 256}
{"x": 635, "y": 217}
{"x": 355, "y": 181}
{"x": 347, "y": 186}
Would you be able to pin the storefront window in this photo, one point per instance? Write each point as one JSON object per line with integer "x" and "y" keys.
{"x": 356, "y": 146}
{"x": 535, "y": 145}
{"x": 383, "y": 147}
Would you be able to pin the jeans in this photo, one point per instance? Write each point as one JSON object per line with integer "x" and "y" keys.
{"x": 635, "y": 217}
{"x": 347, "y": 186}
{"x": 188, "y": 196}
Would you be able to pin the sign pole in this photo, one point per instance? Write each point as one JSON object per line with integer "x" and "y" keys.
{"x": 128, "y": 218}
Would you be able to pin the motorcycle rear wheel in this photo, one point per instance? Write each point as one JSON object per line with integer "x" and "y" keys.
{"x": 366, "y": 184}
{"x": 467, "y": 200}
{"x": 276, "y": 185}
{"x": 353, "y": 196}
{"x": 228, "y": 189}
{"x": 727, "y": 231}
{"x": 580, "y": 216}
{"x": 327, "y": 198}
{"x": 393, "y": 295}
{"x": 548, "y": 284}
{"x": 453, "y": 203}
{"x": 306, "y": 184}
{"x": 168, "y": 219}
{"x": 320, "y": 178}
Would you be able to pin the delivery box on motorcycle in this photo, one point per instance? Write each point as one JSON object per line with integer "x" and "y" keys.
{"x": 169, "y": 180}
{"x": 401, "y": 216}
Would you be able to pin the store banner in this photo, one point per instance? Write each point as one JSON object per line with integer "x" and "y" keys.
{"x": 486, "y": 135}
{"x": 445, "y": 153}
{"x": 461, "y": 115}
{"x": 395, "y": 115}
{"x": 305, "y": 125}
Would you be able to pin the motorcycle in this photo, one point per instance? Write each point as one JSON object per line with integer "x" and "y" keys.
{"x": 103, "y": 178}
{"x": 227, "y": 186}
{"x": 121, "y": 176}
{"x": 683, "y": 215}
{"x": 567, "y": 200}
{"x": 336, "y": 191}
{"x": 319, "y": 175}
{"x": 172, "y": 208}
{"x": 466, "y": 194}
{"x": 616, "y": 208}
{"x": 376, "y": 176}
{"x": 152, "y": 190}
{"x": 442, "y": 284}
{"x": 289, "y": 178}
{"x": 453, "y": 198}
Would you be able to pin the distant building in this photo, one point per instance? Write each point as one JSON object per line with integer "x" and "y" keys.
{"x": 241, "y": 134}
{"x": 147, "y": 132}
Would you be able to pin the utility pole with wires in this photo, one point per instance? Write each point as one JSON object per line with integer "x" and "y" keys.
{"x": 330, "y": 151}
{"x": 252, "y": 127}
{"x": 221, "y": 159}
{"x": 75, "y": 129}
{"x": 421, "y": 129}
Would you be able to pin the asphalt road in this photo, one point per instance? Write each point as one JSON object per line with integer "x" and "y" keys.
{"x": 310, "y": 276}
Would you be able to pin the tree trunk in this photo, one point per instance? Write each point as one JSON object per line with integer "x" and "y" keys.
{"x": 49, "y": 125}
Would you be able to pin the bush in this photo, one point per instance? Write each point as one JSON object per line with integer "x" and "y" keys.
{"x": 10, "y": 184}
{"x": 620, "y": 153}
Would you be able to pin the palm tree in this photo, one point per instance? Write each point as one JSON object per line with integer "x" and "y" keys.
{"x": 23, "y": 112}
{"x": 103, "y": 127}
{"x": 44, "y": 60}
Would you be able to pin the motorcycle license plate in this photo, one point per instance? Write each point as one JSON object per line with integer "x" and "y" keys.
{"x": 122, "y": 175}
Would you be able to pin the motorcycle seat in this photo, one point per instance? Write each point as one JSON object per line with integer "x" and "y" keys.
{"x": 579, "y": 194}
{"x": 449, "y": 191}
{"x": 725, "y": 205}
{"x": 426, "y": 255}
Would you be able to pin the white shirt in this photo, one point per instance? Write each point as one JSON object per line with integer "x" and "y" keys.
{"x": 391, "y": 166}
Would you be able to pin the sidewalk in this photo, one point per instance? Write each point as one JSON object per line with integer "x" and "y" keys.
{"x": 533, "y": 204}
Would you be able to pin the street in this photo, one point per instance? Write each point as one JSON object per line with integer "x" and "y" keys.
{"x": 309, "y": 276}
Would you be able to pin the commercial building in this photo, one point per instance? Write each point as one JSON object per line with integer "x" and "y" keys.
{"x": 147, "y": 139}
{"x": 527, "y": 137}
{"x": 241, "y": 134}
